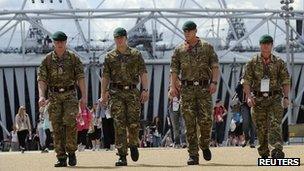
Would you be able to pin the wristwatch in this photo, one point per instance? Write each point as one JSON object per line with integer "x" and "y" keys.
{"x": 286, "y": 97}
{"x": 146, "y": 90}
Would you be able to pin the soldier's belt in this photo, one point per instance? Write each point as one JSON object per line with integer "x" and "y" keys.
{"x": 266, "y": 94}
{"x": 195, "y": 83}
{"x": 61, "y": 89}
{"x": 122, "y": 87}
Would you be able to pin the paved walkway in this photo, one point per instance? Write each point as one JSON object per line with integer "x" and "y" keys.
{"x": 155, "y": 159}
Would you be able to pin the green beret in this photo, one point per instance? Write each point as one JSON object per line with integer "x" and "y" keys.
{"x": 189, "y": 25}
{"x": 266, "y": 39}
{"x": 59, "y": 36}
{"x": 119, "y": 32}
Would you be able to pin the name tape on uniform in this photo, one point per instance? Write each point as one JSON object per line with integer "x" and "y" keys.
{"x": 279, "y": 162}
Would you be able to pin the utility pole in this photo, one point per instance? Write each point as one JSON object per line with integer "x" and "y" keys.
{"x": 286, "y": 14}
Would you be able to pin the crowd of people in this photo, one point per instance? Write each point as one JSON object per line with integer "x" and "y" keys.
{"x": 96, "y": 131}
{"x": 94, "y": 128}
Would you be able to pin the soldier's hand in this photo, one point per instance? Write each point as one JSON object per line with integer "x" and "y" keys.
{"x": 83, "y": 102}
{"x": 285, "y": 102}
{"x": 212, "y": 88}
{"x": 104, "y": 98}
{"x": 173, "y": 92}
{"x": 250, "y": 101}
{"x": 144, "y": 96}
{"x": 41, "y": 101}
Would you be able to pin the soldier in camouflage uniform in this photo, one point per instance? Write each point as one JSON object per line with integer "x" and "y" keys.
{"x": 59, "y": 73}
{"x": 266, "y": 81}
{"x": 197, "y": 64}
{"x": 122, "y": 69}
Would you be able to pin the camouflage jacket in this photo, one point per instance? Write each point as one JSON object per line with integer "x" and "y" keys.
{"x": 194, "y": 63}
{"x": 60, "y": 72}
{"x": 124, "y": 68}
{"x": 277, "y": 73}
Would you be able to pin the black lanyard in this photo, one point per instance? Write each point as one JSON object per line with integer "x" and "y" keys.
{"x": 266, "y": 71}
{"x": 122, "y": 58}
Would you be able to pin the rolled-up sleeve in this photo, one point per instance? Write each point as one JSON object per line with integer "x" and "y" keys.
{"x": 42, "y": 71}
{"x": 79, "y": 73}
{"x": 213, "y": 59}
{"x": 106, "y": 68}
{"x": 248, "y": 76}
{"x": 175, "y": 66}
{"x": 284, "y": 73}
{"x": 142, "y": 66}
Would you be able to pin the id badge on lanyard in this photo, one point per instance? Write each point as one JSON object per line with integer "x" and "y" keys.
{"x": 265, "y": 82}
{"x": 265, "y": 85}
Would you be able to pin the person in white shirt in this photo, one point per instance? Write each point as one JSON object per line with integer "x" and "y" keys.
{"x": 14, "y": 139}
{"x": 41, "y": 133}
{"x": 47, "y": 126}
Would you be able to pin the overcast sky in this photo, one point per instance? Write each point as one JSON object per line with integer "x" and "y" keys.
{"x": 103, "y": 28}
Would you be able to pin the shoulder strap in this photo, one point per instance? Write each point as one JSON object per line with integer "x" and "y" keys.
{"x": 49, "y": 59}
{"x": 256, "y": 60}
{"x": 73, "y": 57}
{"x": 204, "y": 43}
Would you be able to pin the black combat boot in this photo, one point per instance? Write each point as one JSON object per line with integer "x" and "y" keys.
{"x": 245, "y": 143}
{"x": 277, "y": 154}
{"x": 61, "y": 163}
{"x": 72, "y": 159}
{"x": 122, "y": 161}
{"x": 193, "y": 160}
{"x": 207, "y": 154}
{"x": 134, "y": 153}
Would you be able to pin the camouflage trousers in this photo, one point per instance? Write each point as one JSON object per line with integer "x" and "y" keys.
{"x": 63, "y": 109}
{"x": 267, "y": 117}
{"x": 125, "y": 110}
{"x": 196, "y": 107}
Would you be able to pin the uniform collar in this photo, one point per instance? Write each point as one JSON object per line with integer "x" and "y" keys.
{"x": 55, "y": 56}
{"x": 127, "y": 52}
{"x": 188, "y": 47}
{"x": 197, "y": 43}
{"x": 269, "y": 60}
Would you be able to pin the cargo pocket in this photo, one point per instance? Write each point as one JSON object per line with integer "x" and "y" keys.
{"x": 70, "y": 110}
{"x": 53, "y": 111}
